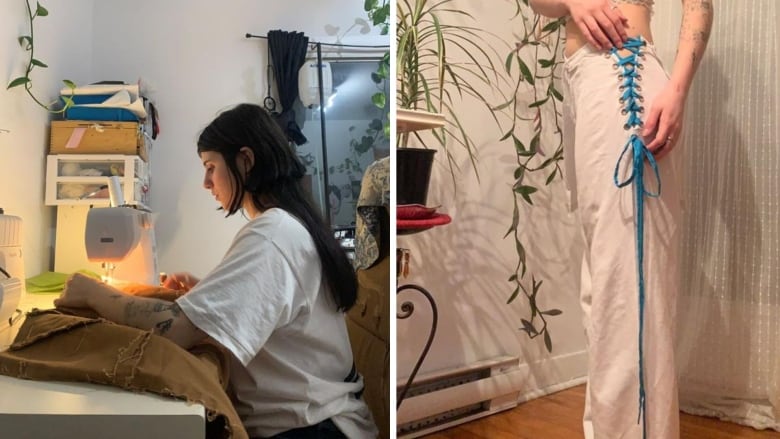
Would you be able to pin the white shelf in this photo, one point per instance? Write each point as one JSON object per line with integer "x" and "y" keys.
{"x": 415, "y": 120}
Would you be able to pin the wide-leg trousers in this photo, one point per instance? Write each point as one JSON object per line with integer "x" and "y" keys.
{"x": 595, "y": 134}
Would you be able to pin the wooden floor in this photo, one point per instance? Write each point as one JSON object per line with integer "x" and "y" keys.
{"x": 558, "y": 416}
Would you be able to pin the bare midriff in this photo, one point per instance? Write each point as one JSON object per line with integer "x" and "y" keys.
{"x": 638, "y": 24}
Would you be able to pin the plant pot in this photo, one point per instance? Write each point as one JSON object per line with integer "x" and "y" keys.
{"x": 413, "y": 171}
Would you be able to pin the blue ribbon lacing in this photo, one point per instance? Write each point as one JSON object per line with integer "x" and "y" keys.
{"x": 631, "y": 99}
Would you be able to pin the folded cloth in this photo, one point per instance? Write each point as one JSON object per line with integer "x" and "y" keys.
{"x": 54, "y": 346}
{"x": 51, "y": 281}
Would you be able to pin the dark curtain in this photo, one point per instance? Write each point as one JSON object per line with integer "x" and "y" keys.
{"x": 288, "y": 53}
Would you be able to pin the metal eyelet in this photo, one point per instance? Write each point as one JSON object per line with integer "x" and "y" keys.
{"x": 624, "y": 112}
{"x": 641, "y": 98}
{"x": 626, "y": 127}
{"x": 621, "y": 100}
{"x": 641, "y": 110}
{"x": 639, "y": 77}
{"x": 638, "y": 87}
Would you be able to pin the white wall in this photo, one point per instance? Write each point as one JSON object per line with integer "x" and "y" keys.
{"x": 466, "y": 264}
{"x": 195, "y": 61}
{"x": 63, "y": 40}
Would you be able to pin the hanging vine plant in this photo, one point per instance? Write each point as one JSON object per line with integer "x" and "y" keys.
{"x": 28, "y": 43}
{"x": 537, "y": 57}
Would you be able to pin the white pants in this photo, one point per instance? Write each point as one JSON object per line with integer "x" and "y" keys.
{"x": 595, "y": 135}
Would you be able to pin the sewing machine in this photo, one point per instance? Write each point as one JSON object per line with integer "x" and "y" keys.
{"x": 122, "y": 239}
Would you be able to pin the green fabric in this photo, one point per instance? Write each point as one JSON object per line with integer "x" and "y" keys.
{"x": 51, "y": 281}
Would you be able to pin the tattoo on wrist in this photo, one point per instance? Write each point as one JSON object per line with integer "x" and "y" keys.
{"x": 163, "y": 327}
{"x": 694, "y": 31}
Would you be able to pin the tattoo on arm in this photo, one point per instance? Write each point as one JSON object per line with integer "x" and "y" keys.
{"x": 696, "y": 25}
{"x": 163, "y": 327}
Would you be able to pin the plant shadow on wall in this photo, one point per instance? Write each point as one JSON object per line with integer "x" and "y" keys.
{"x": 441, "y": 62}
{"x": 28, "y": 43}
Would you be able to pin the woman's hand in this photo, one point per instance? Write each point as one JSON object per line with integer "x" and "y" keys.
{"x": 663, "y": 125}
{"x": 80, "y": 292}
{"x": 600, "y": 22}
{"x": 179, "y": 281}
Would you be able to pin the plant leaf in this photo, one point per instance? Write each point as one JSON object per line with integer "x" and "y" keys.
{"x": 527, "y": 75}
{"x": 538, "y": 103}
{"x": 547, "y": 341}
{"x": 41, "y": 11}
{"x": 23, "y": 39}
{"x": 514, "y": 295}
{"x": 552, "y": 312}
{"x": 528, "y": 327}
{"x": 379, "y": 99}
{"x": 508, "y": 62}
{"x": 38, "y": 63}
{"x": 68, "y": 83}
{"x": 18, "y": 81}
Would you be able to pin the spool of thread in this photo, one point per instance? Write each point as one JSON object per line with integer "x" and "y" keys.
{"x": 115, "y": 191}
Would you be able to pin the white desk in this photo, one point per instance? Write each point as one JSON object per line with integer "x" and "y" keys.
{"x": 42, "y": 410}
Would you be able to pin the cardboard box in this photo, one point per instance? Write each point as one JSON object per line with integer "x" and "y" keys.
{"x": 91, "y": 137}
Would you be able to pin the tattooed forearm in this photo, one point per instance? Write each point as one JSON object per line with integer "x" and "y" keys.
{"x": 696, "y": 20}
{"x": 135, "y": 310}
{"x": 163, "y": 327}
{"x": 694, "y": 33}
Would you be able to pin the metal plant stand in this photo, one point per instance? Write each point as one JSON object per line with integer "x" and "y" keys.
{"x": 407, "y": 309}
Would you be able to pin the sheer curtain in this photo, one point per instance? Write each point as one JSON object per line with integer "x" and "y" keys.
{"x": 729, "y": 309}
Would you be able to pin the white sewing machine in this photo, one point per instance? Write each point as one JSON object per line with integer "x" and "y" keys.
{"x": 122, "y": 239}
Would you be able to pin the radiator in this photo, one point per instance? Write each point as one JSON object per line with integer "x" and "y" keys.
{"x": 444, "y": 399}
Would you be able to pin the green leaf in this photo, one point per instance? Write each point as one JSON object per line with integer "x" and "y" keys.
{"x": 556, "y": 94}
{"x": 379, "y": 99}
{"x": 68, "y": 83}
{"x": 41, "y": 11}
{"x": 519, "y": 172}
{"x": 23, "y": 39}
{"x": 526, "y": 72}
{"x": 528, "y": 327}
{"x": 551, "y": 26}
{"x": 538, "y": 103}
{"x": 515, "y": 221}
{"x": 368, "y": 5}
{"x": 547, "y": 341}
{"x": 18, "y": 81}
{"x": 528, "y": 190}
{"x": 519, "y": 147}
{"x": 68, "y": 101}
{"x": 38, "y": 63}
{"x": 508, "y": 62}
{"x": 506, "y": 136}
{"x": 512, "y": 278}
{"x": 552, "y": 312}
{"x": 551, "y": 177}
{"x": 514, "y": 295}
{"x": 546, "y": 62}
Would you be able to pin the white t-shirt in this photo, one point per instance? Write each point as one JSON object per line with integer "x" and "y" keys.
{"x": 267, "y": 303}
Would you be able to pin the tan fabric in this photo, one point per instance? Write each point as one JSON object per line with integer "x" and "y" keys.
{"x": 55, "y": 346}
{"x": 368, "y": 323}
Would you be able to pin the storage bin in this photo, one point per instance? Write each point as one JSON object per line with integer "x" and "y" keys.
{"x": 73, "y": 179}
{"x": 91, "y": 137}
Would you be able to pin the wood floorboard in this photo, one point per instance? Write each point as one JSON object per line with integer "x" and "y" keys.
{"x": 558, "y": 416}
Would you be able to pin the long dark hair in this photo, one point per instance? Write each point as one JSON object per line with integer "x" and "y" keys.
{"x": 275, "y": 181}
